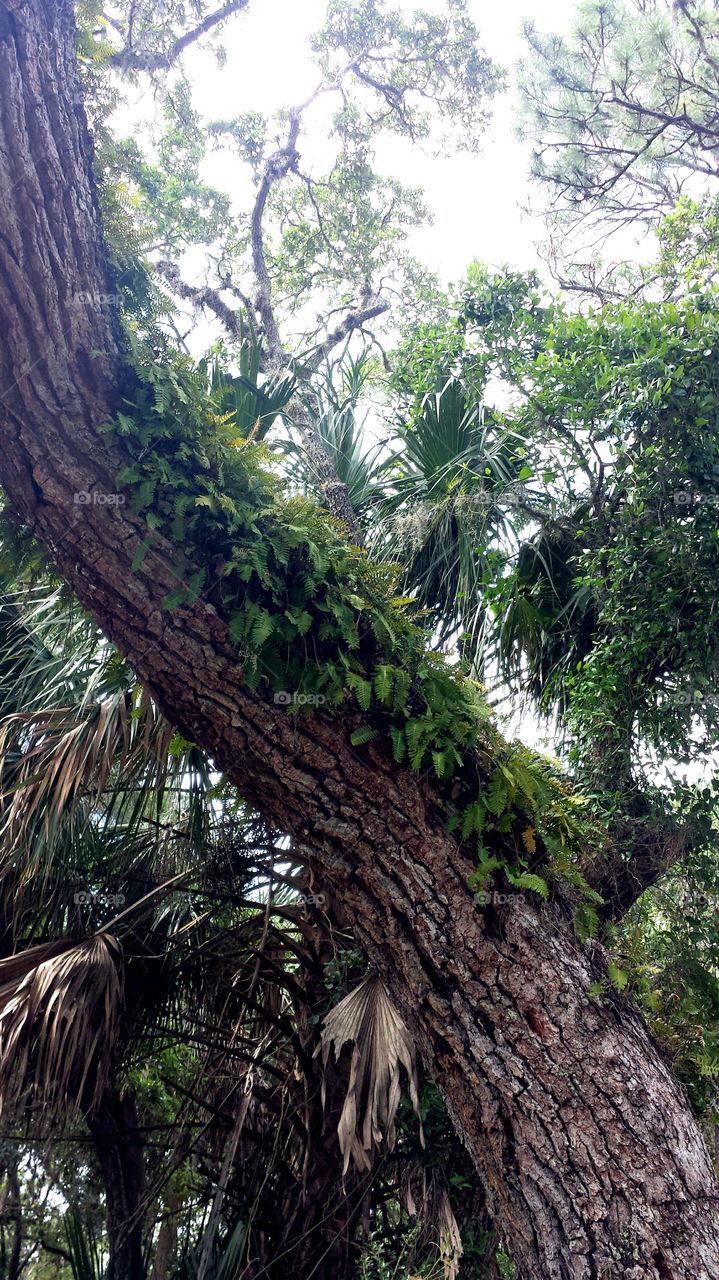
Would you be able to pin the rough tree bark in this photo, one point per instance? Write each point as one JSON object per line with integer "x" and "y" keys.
{"x": 592, "y": 1161}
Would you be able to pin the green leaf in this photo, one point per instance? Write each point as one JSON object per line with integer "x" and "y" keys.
{"x": 195, "y": 585}
{"x": 473, "y": 819}
{"x": 139, "y": 556}
{"x": 262, "y": 628}
{"x": 618, "y": 977}
{"x": 528, "y": 880}
{"x": 364, "y": 734}
{"x": 174, "y": 598}
{"x": 362, "y": 690}
{"x": 497, "y": 793}
{"x": 383, "y": 682}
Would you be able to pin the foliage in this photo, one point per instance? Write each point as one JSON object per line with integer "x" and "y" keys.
{"x": 605, "y": 612}
{"x": 334, "y": 401}
{"x": 441, "y": 517}
{"x": 669, "y": 947}
{"x": 312, "y": 615}
{"x": 563, "y": 539}
{"x": 622, "y": 115}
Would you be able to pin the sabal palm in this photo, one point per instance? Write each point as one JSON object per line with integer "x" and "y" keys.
{"x": 98, "y": 794}
{"x": 449, "y": 509}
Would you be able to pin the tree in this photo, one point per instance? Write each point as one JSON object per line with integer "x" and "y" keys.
{"x": 337, "y": 235}
{"x": 560, "y": 1095}
{"x": 623, "y": 115}
{"x": 225, "y": 976}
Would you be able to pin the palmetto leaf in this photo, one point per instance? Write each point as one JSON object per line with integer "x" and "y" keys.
{"x": 60, "y": 1006}
{"x": 381, "y": 1044}
{"x": 51, "y": 759}
{"x": 446, "y": 507}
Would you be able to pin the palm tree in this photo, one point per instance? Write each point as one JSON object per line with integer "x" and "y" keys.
{"x": 165, "y": 981}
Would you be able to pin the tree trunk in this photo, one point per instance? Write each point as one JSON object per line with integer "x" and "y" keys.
{"x": 14, "y": 1215}
{"x": 118, "y": 1146}
{"x": 590, "y": 1156}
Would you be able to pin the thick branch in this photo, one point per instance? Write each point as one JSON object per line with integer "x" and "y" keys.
{"x": 200, "y": 296}
{"x": 642, "y": 849}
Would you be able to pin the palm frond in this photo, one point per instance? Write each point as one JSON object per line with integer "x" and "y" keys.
{"x": 85, "y": 1258}
{"x": 60, "y": 1006}
{"x": 54, "y": 758}
{"x": 450, "y": 487}
{"x": 381, "y": 1044}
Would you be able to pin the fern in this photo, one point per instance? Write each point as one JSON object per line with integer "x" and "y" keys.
{"x": 309, "y": 612}
{"x": 365, "y": 734}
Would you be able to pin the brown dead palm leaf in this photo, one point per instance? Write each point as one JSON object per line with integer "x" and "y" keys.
{"x": 60, "y": 1006}
{"x": 52, "y": 759}
{"x": 381, "y": 1044}
{"x": 424, "y": 1194}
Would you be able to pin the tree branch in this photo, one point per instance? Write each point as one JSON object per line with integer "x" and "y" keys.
{"x": 129, "y": 59}
{"x": 353, "y": 321}
{"x": 200, "y": 296}
{"x": 279, "y": 164}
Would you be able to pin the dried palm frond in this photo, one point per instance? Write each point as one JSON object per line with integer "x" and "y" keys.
{"x": 450, "y": 1240}
{"x": 60, "y": 1008}
{"x": 381, "y": 1044}
{"x": 51, "y": 759}
{"x": 425, "y": 1196}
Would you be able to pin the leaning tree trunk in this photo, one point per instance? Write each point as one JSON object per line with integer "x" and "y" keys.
{"x": 591, "y": 1158}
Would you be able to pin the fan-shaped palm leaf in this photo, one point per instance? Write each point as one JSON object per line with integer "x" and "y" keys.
{"x": 381, "y": 1044}
{"x": 450, "y": 489}
{"x": 60, "y": 1008}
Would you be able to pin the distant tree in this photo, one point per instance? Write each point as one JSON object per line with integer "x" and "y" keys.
{"x": 623, "y": 116}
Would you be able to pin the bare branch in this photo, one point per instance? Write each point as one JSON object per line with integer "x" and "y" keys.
{"x": 201, "y": 296}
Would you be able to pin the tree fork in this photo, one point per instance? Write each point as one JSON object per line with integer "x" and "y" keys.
{"x": 592, "y": 1161}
